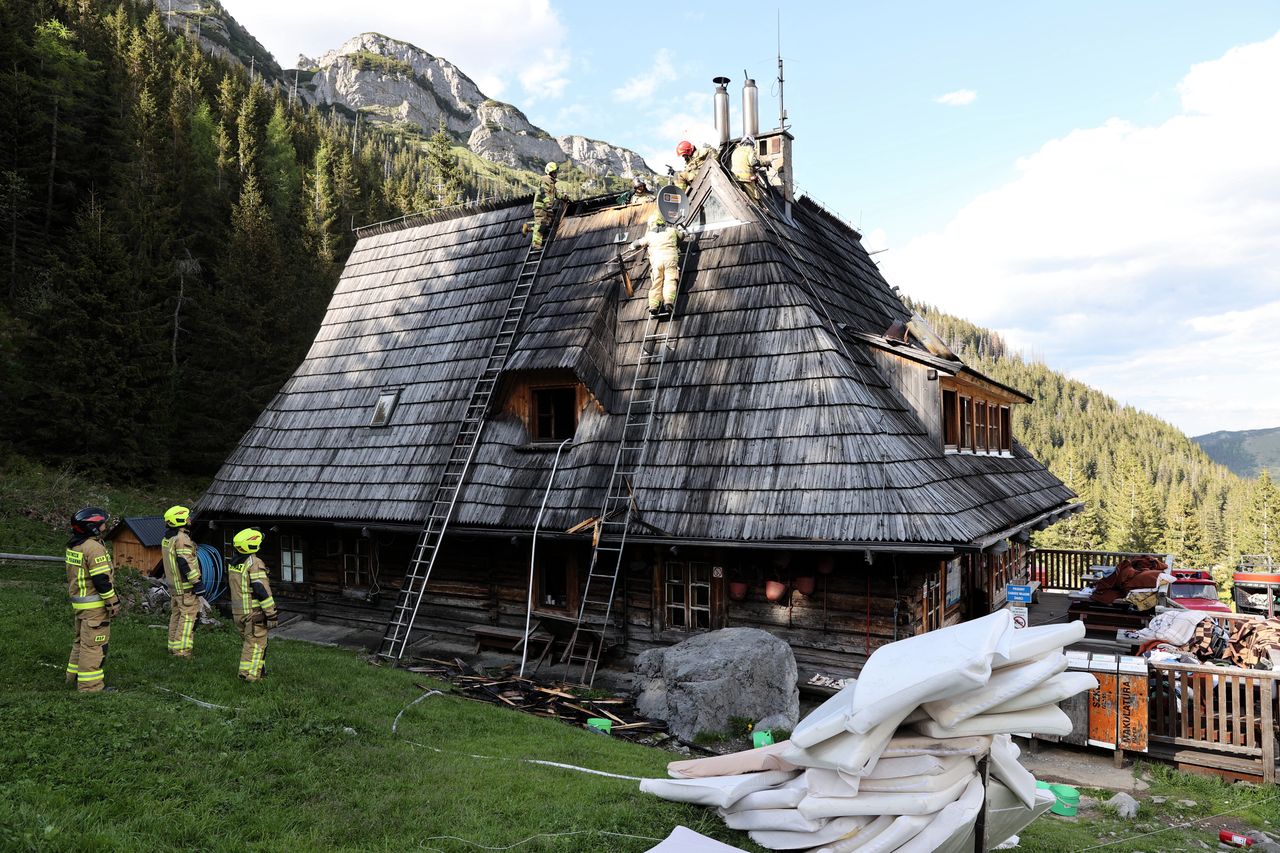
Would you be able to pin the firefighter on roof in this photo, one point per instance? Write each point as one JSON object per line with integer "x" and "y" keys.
{"x": 545, "y": 201}
{"x": 693, "y": 160}
{"x": 252, "y": 606}
{"x": 181, "y": 565}
{"x": 90, "y": 577}
{"x": 663, "y": 243}
{"x": 744, "y": 163}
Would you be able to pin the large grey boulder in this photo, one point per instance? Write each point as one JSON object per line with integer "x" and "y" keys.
{"x": 700, "y": 684}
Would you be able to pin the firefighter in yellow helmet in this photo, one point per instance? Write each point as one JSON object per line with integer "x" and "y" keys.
{"x": 663, "y": 243}
{"x": 90, "y": 577}
{"x": 545, "y": 201}
{"x": 181, "y": 565}
{"x": 252, "y": 606}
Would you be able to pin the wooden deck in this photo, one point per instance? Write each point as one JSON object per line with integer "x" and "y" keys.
{"x": 1209, "y": 719}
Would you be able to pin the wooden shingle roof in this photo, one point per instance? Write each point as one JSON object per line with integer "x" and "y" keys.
{"x": 772, "y": 423}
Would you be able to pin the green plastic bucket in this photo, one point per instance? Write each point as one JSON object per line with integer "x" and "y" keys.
{"x": 761, "y": 738}
{"x": 600, "y": 724}
{"x": 1066, "y": 800}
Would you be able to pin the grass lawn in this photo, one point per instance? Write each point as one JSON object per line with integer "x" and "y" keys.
{"x": 307, "y": 760}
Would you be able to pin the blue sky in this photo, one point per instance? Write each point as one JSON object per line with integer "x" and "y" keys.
{"x": 1098, "y": 181}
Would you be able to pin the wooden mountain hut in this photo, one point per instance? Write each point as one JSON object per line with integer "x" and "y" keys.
{"x": 817, "y": 464}
{"x": 135, "y": 542}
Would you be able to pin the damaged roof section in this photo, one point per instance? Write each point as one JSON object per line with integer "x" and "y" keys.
{"x": 773, "y": 422}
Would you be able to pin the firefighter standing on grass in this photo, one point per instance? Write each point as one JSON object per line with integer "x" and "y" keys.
{"x": 181, "y": 565}
{"x": 252, "y": 606}
{"x": 90, "y": 577}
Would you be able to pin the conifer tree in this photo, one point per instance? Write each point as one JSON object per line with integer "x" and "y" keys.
{"x": 442, "y": 167}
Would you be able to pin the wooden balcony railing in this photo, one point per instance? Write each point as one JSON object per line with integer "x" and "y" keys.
{"x": 1064, "y": 570}
{"x": 1200, "y": 712}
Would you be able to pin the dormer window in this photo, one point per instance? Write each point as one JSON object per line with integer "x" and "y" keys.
{"x": 554, "y": 413}
{"x": 384, "y": 407}
{"x": 974, "y": 423}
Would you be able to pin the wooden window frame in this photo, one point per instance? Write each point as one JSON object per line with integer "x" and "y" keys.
{"x": 357, "y": 567}
{"x": 951, "y": 418}
{"x": 570, "y": 605}
{"x": 535, "y": 432}
{"x": 292, "y": 562}
{"x": 975, "y": 421}
{"x": 687, "y": 607}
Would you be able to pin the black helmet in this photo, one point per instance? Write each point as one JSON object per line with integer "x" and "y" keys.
{"x": 89, "y": 521}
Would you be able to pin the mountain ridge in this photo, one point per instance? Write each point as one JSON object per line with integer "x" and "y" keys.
{"x": 389, "y": 80}
{"x": 1246, "y": 452}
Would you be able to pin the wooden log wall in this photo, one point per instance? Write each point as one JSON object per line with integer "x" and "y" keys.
{"x": 851, "y": 611}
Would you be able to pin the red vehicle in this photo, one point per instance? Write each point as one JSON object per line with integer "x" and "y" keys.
{"x": 1195, "y": 589}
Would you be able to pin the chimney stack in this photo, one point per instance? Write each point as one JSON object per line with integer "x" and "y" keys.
{"x": 750, "y": 107}
{"x": 722, "y": 109}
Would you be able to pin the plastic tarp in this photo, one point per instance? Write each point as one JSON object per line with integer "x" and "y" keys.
{"x": 902, "y": 675}
{"x": 1045, "y": 720}
{"x": 684, "y": 840}
{"x": 1004, "y": 684}
{"x": 719, "y": 791}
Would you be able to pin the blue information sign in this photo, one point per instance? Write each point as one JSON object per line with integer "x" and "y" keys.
{"x": 1015, "y": 592}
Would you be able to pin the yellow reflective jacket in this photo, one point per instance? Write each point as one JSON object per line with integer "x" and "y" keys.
{"x": 250, "y": 588}
{"x": 180, "y": 545}
{"x": 90, "y": 575}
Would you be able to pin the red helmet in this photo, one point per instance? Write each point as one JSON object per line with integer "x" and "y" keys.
{"x": 685, "y": 148}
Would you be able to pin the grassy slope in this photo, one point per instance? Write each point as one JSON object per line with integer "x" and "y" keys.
{"x": 307, "y": 759}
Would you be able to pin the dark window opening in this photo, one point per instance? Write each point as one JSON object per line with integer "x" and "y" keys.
{"x": 966, "y": 423}
{"x": 980, "y": 426}
{"x": 1006, "y": 430}
{"x": 950, "y": 419}
{"x": 555, "y": 413}
{"x": 553, "y": 585}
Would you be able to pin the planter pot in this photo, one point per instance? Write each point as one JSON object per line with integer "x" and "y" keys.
{"x": 738, "y": 590}
{"x": 804, "y": 584}
{"x": 774, "y": 590}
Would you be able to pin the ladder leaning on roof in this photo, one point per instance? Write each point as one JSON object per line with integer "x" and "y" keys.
{"x": 590, "y": 635}
{"x": 445, "y": 496}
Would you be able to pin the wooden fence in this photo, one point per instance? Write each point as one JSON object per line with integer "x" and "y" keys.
{"x": 1214, "y": 716}
{"x": 1064, "y": 570}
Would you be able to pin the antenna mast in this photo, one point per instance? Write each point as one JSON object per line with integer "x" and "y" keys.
{"x": 782, "y": 109}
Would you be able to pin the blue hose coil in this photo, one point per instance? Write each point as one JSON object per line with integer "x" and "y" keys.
{"x": 213, "y": 572}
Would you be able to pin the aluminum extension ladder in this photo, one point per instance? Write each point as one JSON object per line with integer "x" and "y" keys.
{"x": 590, "y": 635}
{"x": 396, "y": 638}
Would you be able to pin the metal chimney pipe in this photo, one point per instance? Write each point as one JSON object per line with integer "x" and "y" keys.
{"x": 750, "y": 108}
{"x": 722, "y": 108}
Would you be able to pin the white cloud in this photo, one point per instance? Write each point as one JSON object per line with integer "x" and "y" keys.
{"x": 497, "y": 43}
{"x": 1114, "y": 248}
{"x": 958, "y": 98}
{"x": 544, "y": 77}
{"x": 643, "y": 86}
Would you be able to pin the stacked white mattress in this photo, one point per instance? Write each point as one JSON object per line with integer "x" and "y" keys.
{"x": 890, "y": 762}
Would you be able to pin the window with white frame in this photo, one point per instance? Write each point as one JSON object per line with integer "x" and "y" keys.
{"x": 688, "y": 595}
{"x": 291, "y": 559}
